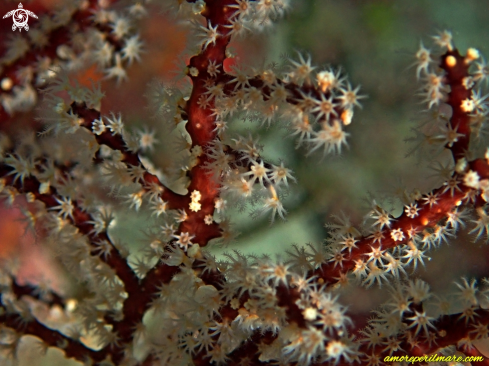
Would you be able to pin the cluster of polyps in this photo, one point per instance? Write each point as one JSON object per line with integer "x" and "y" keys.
{"x": 244, "y": 309}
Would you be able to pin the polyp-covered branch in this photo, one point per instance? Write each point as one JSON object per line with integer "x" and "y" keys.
{"x": 461, "y": 84}
{"x": 328, "y": 101}
{"x": 16, "y": 314}
{"x": 111, "y": 135}
{"x": 50, "y": 338}
{"x": 200, "y": 181}
{"x": 424, "y": 220}
{"x": 139, "y": 297}
{"x": 47, "y": 296}
{"x": 429, "y": 218}
{"x": 247, "y": 310}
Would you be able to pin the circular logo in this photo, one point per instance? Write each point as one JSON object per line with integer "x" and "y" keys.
{"x": 20, "y": 17}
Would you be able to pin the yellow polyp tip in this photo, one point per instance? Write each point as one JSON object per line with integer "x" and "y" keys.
{"x": 472, "y": 54}
{"x": 458, "y": 203}
{"x": 425, "y": 221}
{"x": 451, "y": 61}
{"x": 346, "y": 116}
{"x": 6, "y": 84}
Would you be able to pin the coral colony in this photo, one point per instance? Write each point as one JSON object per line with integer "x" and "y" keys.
{"x": 83, "y": 168}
